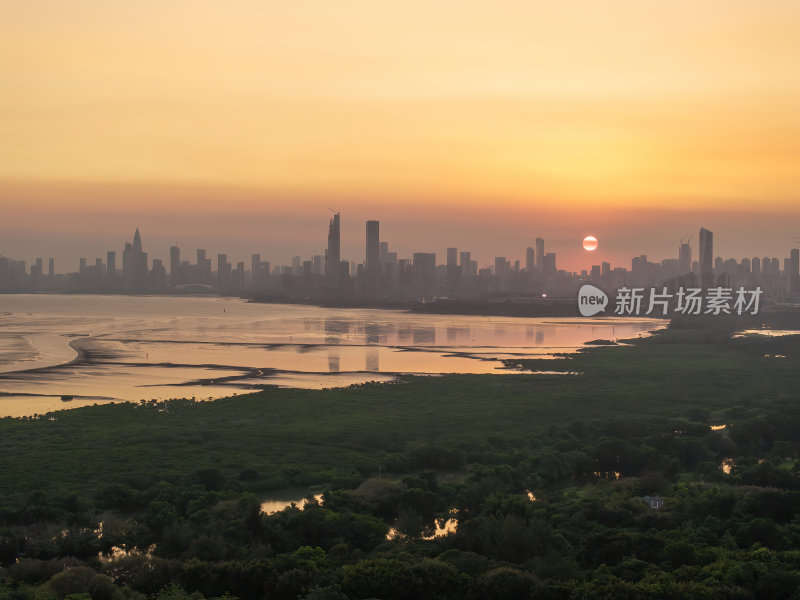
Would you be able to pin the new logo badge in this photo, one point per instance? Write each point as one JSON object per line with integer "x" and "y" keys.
{"x": 591, "y": 300}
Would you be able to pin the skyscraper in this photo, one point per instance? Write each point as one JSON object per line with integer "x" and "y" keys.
{"x": 706, "y": 257}
{"x": 174, "y": 264}
{"x": 424, "y": 274}
{"x": 111, "y": 263}
{"x": 549, "y": 264}
{"x": 373, "y": 262}
{"x": 134, "y": 265}
{"x": 706, "y": 251}
{"x": 684, "y": 259}
{"x": 452, "y": 257}
{"x": 453, "y": 274}
{"x": 500, "y": 266}
{"x": 465, "y": 258}
{"x": 540, "y": 254}
{"x": 255, "y": 270}
{"x": 224, "y": 269}
{"x": 333, "y": 256}
{"x": 530, "y": 259}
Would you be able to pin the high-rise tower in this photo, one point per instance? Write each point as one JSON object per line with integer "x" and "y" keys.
{"x": 174, "y": 265}
{"x": 684, "y": 259}
{"x": 706, "y": 251}
{"x": 134, "y": 265}
{"x": 540, "y": 254}
{"x": 530, "y": 260}
{"x": 333, "y": 257}
{"x": 706, "y": 257}
{"x": 373, "y": 263}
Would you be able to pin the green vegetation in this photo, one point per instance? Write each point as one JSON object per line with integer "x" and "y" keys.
{"x": 176, "y": 484}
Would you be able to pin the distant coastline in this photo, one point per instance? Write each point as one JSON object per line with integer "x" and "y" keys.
{"x": 510, "y": 307}
{"x": 497, "y": 307}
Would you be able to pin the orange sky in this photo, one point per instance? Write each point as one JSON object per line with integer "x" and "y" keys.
{"x": 505, "y": 119}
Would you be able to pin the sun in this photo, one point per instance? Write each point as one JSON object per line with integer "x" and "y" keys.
{"x": 590, "y": 243}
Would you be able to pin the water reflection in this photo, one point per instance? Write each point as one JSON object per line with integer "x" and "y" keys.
{"x": 285, "y": 499}
{"x": 440, "y": 528}
{"x": 333, "y": 360}
{"x": 767, "y": 332}
{"x": 373, "y": 334}
{"x": 332, "y": 326}
{"x": 727, "y": 465}
{"x": 423, "y": 335}
{"x": 104, "y": 348}
{"x": 118, "y": 552}
{"x": 372, "y": 363}
{"x": 403, "y": 335}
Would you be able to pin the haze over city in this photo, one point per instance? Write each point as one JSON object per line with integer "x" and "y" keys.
{"x": 224, "y": 126}
{"x": 450, "y": 300}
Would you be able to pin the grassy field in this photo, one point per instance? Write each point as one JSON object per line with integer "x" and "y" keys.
{"x": 278, "y": 433}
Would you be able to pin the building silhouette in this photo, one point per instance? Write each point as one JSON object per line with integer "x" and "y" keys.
{"x": 385, "y": 276}
{"x": 373, "y": 251}
{"x": 548, "y": 263}
{"x": 465, "y": 258}
{"x": 540, "y": 255}
{"x": 453, "y": 273}
{"x": 684, "y": 259}
{"x": 174, "y": 265}
{"x": 706, "y": 258}
{"x": 333, "y": 256}
{"x": 424, "y": 268}
{"x": 224, "y": 271}
{"x": 134, "y": 265}
{"x": 530, "y": 259}
{"x": 384, "y": 253}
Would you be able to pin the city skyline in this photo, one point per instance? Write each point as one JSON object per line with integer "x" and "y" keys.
{"x": 691, "y": 248}
{"x": 384, "y": 275}
{"x": 437, "y": 300}
{"x": 734, "y": 238}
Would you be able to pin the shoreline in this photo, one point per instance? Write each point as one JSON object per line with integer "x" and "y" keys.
{"x": 523, "y": 307}
{"x": 256, "y": 376}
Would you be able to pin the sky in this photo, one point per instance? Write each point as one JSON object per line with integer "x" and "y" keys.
{"x": 236, "y": 126}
